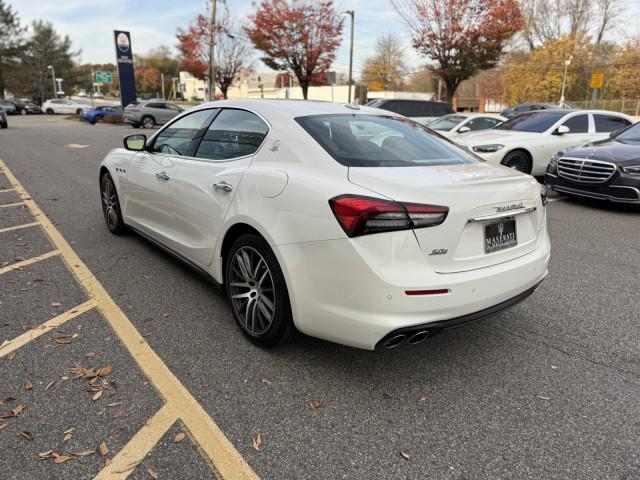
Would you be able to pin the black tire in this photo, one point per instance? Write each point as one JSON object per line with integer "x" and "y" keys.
{"x": 4, "y": 125}
{"x": 518, "y": 160}
{"x": 23, "y": 111}
{"x": 111, "y": 206}
{"x": 79, "y": 111}
{"x": 280, "y": 328}
{"x": 98, "y": 119}
{"x": 50, "y": 111}
{"x": 148, "y": 122}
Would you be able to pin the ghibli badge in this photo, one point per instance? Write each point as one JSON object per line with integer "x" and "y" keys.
{"x": 506, "y": 208}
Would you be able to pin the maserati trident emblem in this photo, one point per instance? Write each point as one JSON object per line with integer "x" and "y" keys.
{"x": 501, "y": 228}
{"x": 506, "y": 208}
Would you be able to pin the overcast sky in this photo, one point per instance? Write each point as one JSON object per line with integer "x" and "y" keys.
{"x": 90, "y": 24}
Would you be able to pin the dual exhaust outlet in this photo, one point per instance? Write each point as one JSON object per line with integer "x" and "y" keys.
{"x": 411, "y": 338}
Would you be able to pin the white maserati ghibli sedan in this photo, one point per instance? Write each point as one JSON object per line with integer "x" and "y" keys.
{"x": 346, "y": 223}
{"x": 527, "y": 141}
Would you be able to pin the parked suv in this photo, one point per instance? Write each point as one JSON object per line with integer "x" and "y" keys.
{"x": 151, "y": 113}
{"x": 421, "y": 111}
{"x": 65, "y": 106}
{"x": 13, "y": 107}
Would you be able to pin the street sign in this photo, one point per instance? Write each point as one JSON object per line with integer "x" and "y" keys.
{"x": 104, "y": 77}
{"x": 597, "y": 80}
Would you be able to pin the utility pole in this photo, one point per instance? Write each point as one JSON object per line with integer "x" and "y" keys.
{"x": 162, "y": 84}
{"x": 212, "y": 50}
{"x": 352, "y": 14}
{"x": 53, "y": 78}
{"x": 564, "y": 79}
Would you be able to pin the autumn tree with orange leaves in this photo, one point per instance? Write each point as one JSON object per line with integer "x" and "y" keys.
{"x": 301, "y": 37}
{"x": 463, "y": 37}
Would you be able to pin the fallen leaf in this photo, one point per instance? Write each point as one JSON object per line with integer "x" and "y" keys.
{"x": 543, "y": 398}
{"x": 118, "y": 414}
{"x": 7, "y": 400}
{"x": 90, "y": 354}
{"x": 20, "y": 259}
{"x": 103, "y": 448}
{"x": 49, "y": 385}
{"x": 180, "y": 437}
{"x": 61, "y": 458}
{"x": 2, "y": 425}
{"x": 257, "y": 442}
{"x": 45, "y": 455}
{"x": 18, "y": 410}
{"x": 97, "y": 395}
{"x": 405, "y": 455}
{"x": 103, "y": 372}
{"x": 423, "y": 397}
{"x": 152, "y": 473}
{"x": 11, "y": 356}
{"x": 67, "y": 435}
{"x": 28, "y": 385}
{"x": 317, "y": 404}
{"x": 269, "y": 382}
{"x": 56, "y": 304}
{"x": 84, "y": 453}
{"x": 64, "y": 339}
{"x": 25, "y": 434}
{"x": 114, "y": 404}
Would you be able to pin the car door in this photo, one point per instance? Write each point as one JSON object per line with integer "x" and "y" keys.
{"x": 204, "y": 186}
{"x": 157, "y": 111}
{"x": 172, "y": 111}
{"x": 148, "y": 201}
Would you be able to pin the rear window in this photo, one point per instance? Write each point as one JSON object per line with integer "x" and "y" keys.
{"x": 378, "y": 141}
{"x": 532, "y": 122}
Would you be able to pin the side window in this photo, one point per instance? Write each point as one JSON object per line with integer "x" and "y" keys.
{"x": 578, "y": 124}
{"x": 179, "y": 136}
{"x": 482, "y": 123}
{"x": 233, "y": 134}
{"x": 609, "y": 123}
{"x": 170, "y": 106}
{"x": 155, "y": 105}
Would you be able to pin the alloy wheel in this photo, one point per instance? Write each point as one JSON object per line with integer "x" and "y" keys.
{"x": 252, "y": 290}
{"x": 109, "y": 203}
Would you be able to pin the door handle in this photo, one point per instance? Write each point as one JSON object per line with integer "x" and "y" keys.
{"x": 224, "y": 186}
{"x": 162, "y": 175}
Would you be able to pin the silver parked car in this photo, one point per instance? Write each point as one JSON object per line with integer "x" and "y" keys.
{"x": 150, "y": 113}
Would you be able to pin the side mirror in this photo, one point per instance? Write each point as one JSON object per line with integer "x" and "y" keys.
{"x": 464, "y": 129}
{"x": 562, "y": 129}
{"x": 135, "y": 143}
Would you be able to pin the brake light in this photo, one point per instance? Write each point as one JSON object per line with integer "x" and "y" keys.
{"x": 359, "y": 215}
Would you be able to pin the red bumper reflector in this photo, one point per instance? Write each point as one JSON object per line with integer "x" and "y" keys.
{"x": 440, "y": 291}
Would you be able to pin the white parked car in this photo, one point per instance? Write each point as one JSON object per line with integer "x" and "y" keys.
{"x": 527, "y": 141}
{"x": 347, "y": 223}
{"x": 454, "y": 124}
{"x": 65, "y": 106}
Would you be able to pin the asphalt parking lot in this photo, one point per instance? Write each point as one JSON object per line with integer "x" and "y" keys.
{"x": 549, "y": 389}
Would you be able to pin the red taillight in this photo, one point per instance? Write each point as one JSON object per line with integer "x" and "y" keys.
{"x": 359, "y": 215}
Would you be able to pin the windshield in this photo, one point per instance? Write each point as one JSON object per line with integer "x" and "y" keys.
{"x": 377, "y": 141}
{"x": 447, "y": 123}
{"x": 532, "y": 122}
{"x": 630, "y": 135}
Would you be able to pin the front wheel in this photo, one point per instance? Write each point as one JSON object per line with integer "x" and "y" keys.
{"x": 50, "y": 111}
{"x": 518, "y": 160}
{"x": 148, "y": 122}
{"x": 79, "y": 111}
{"x": 111, "y": 206}
{"x": 258, "y": 292}
{"x": 98, "y": 119}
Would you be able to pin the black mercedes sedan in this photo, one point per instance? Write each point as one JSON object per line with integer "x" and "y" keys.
{"x": 607, "y": 169}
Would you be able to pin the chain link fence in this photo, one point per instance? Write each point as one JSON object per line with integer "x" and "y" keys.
{"x": 628, "y": 106}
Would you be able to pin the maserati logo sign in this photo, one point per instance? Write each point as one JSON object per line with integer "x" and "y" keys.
{"x": 501, "y": 229}
{"x": 123, "y": 42}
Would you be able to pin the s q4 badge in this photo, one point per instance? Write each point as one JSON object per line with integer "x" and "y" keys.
{"x": 439, "y": 251}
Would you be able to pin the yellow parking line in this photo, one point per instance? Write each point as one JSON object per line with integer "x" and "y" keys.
{"x": 18, "y": 227}
{"x": 29, "y": 261}
{"x": 4, "y": 190}
{"x": 126, "y": 461}
{"x": 17, "y": 204}
{"x": 205, "y": 432}
{"x": 49, "y": 325}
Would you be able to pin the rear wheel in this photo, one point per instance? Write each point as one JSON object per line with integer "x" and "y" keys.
{"x": 4, "y": 124}
{"x": 50, "y": 111}
{"x": 518, "y": 160}
{"x": 148, "y": 122}
{"x": 98, "y": 119}
{"x": 257, "y": 292}
{"x": 111, "y": 206}
{"x": 79, "y": 111}
{"x": 23, "y": 111}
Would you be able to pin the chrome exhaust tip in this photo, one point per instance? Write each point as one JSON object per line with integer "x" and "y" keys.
{"x": 394, "y": 341}
{"x": 418, "y": 337}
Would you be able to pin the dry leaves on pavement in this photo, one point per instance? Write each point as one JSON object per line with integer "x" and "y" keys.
{"x": 405, "y": 455}
{"x": 180, "y": 437}
{"x": 152, "y": 473}
{"x": 257, "y": 442}
{"x": 103, "y": 449}
{"x": 28, "y": 385}
{"x": 316, "y": 404}
{"x": 25, "y": 434}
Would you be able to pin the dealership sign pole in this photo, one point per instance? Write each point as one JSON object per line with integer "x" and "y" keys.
{"x": 124, "y": 58}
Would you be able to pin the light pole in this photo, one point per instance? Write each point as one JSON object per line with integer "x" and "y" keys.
{"x": 352, "y": 14}
{"x": 53, "y": 78}
{"x": 564, "y": 79}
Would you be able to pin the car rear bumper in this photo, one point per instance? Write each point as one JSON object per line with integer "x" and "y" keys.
{"x": 339, "y": 296}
